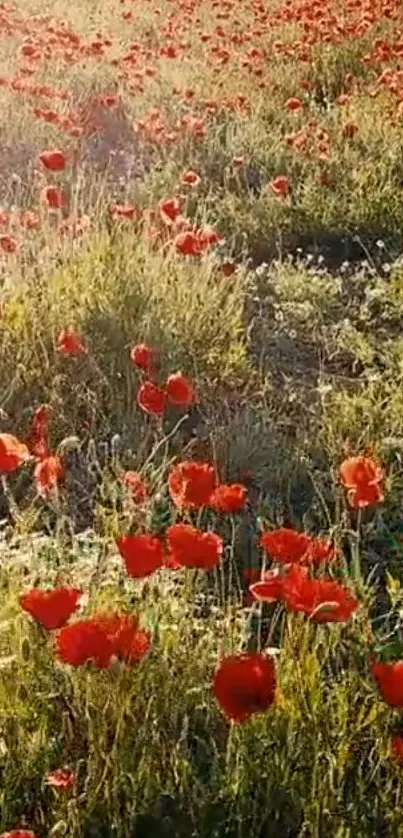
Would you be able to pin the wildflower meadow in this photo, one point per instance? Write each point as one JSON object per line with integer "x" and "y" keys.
{"x": 201, "y": 419}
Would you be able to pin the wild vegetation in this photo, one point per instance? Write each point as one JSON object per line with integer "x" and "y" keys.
{"x": 201, "y": 419}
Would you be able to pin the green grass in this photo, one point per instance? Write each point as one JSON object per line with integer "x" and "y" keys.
{"x": 297, "y": 359}
{"x": 135, "y": 736}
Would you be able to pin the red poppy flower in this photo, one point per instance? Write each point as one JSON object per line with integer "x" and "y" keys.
{"x": 54, "y": 160}
{"x": 152, "y": 399}
{"x": 53, "y": 608}
{"x": 179, "y": 389}
{"x": 270, "y": 588}
{"x": 53, "y": 197}
{"x": 191, "y": 547}
{"x": 291, "y": 547}
{"x": 136, "y": 486}
{"x": 169, "y": 209}
{"x": 8, "y": 244}
{"x": 129, "y": 643}
{"x": 396, "y": 747}
{"x": 100, "y": 638}
{"x": 191, "y": 484}
{"x": 48, "y": 473}
{"x": 228, "y": 498}
{"x": 323, "y": 600}
{"x": 188, "y": 243}
{"x": 70, "y": 343}
{"x": 389, "y": 677}
{"x": 293, "y": 104}
{"x": 280, "y": 186}
{"x": 62, "y": 778}
{"x": 190, "y": 178}
{"x": 13, "y": 453}
{"x": 143, "y": 357}
{"x": 245, "y": 684}
{"x": 83, "y": 641}
{"x": 356, "y": 471}
{"x": 365, "y": 496}
{"x": 319, "y": 550}
{"x": 362, "y": 477}
{"x": 285, "y": 545}
{"x": 37, "y": 440}
{"x": 142, "y": 554}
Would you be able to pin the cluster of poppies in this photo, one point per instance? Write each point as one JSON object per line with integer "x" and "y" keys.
{"x": 164, "y": 226}
{"x": 158, "y": 128}
{"x": 323, "y": 600}
{"x": 244, "y": 683}
{"x": 193, "y": 486}
{"x": 151, "y": 398}
{"x": 178, "y": 389}
{"x": 100, "y": 638}
{"x": 53, "y": 197}
{"x": 227, "y": 48}
{"x": 300, "y": 577}
{"x": 48, "y": 470}
{"x": 295, "y": 555}
{"x": 103, "y": 637}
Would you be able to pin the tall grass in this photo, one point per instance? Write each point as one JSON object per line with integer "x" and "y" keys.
{"x": 290, "y": 330}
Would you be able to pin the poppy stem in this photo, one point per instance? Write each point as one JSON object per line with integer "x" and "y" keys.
{"x": 230, "y": 748}
{"x": 164, "y": 440}
{"x": 356, "y": 558}
{"x": 12, "y": 505}
{"x": 298, "y": 655}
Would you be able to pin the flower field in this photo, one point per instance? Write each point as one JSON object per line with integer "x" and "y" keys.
{"x": 201, "y": 419}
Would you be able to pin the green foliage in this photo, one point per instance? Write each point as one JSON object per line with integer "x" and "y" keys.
{"x": 297, "y": 358}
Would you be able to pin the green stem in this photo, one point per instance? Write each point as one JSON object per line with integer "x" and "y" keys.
{"x": 356, "y": 558}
